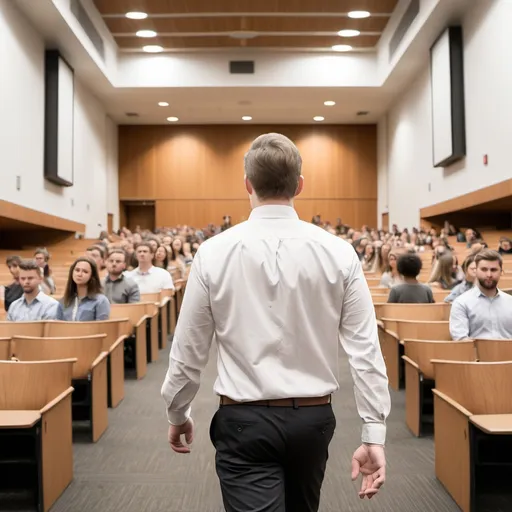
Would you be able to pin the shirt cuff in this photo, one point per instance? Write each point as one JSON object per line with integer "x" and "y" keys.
{"x": 177, "y": 418}
{"x": 374, "y": 433}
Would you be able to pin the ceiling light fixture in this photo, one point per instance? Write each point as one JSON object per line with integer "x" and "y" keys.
{"x": 246, "y": 118}
{"x": 135, "y": 15}
{"x": 163, "y": 104}
{"x": 342, "y": 47}
{"x": 358, "y": 14}
{"x": 318, "y": 118}
{"x": 153, "y": 48}
{"x": 349, "y": 33}
{"x": 145, "y": 33}
{"x": 172, "y": 119}
{"x": 329, "y": 103}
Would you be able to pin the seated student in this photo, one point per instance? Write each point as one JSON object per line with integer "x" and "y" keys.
{"x": 410, "y": 291}
{"x": 469, "y": 269}
{"x": 34, "y": 304}
{"x": 150, "y": 279}
{"x": 97, "y": 254}
{"x": 505, "y": 246}
{"x": 484, "y": 311}
{"x": 391, "y": 276}
{"x": 83, "y": 299}
{"x": 14, "y": 290}
{"x": 42, "y": 257}
{"x": 119, "y": 288}
{"x": 443, "y": 275}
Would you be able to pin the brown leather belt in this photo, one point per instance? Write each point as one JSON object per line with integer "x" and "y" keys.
{"x": 281, "y": 402}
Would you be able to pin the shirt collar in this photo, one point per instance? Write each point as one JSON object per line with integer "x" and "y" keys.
{"x": 273, "y": 211}
{"x": 120, "y": 278}
{"x": 36, "y": 298}
{"x": 480, "y": 293}
{"x": 140, "y": 272}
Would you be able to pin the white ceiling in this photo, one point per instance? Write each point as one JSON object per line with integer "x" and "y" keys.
{"x": 208, "y": 105}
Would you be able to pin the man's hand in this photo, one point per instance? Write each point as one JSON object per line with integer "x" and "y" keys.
{"x": 175, "y": 433}
{"x": 370, "y": 461}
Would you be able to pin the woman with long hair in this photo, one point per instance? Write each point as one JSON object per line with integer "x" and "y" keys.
{"x": 384, "y": 255}
{"x": 83, "y": 299}
{"x": 391, "y": 276}
{"x": 442, "y": 275}
{"x": 161, "y": 257}
{"x": 177, "y": 260}
{"x": 369, "y": 257}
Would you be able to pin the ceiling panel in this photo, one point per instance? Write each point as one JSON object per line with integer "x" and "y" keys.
{"x": 222, "y": 6}
{"x": 258, "y": 42}
{"x": 278, "y": 24}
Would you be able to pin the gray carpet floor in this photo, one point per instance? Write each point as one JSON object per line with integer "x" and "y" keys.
{"x": 132, "y": 468}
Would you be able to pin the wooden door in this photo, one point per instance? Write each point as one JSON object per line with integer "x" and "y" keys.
{"x": 110, "y": 223}
{"x": 140, "y": 216}
{"x": 385, "y": 221}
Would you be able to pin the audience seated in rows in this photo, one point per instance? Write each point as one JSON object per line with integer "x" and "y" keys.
{"x": 410, "y": 291}
{"x": 483, "y": 312}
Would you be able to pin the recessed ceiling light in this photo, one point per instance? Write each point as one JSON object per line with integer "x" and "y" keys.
{"x": 318, "y": 118}
{"x": 349, "y": 33}
{"x": 163, "y": 104}
{"x": 172, "y": 119}
{"x": 145, "y": 33}
{"x": 246, "y": 118}
{"x": 358, "y": 14}
{"x": 342, "y": 47}
{"x": 135, "y": 15}
{"x": 153, "y": 48}
{"x": 329, "y": 103}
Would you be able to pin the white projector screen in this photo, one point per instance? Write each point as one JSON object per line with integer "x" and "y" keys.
{"x": 59, "y": 108}
{"x": 447, "y": 82}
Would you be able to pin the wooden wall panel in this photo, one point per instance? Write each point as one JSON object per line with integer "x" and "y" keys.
{"x": 195, "y": 173}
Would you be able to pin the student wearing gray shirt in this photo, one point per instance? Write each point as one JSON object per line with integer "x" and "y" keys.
{"x": 410, "y": 291}
{"x": 119, "y": 288}
{"x": 83, "y": 299}
{"x": 33, "y": 305}
{"x": 484, "y": 312}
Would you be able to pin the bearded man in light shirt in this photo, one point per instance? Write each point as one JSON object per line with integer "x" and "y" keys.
{"x": 282, "y": 297}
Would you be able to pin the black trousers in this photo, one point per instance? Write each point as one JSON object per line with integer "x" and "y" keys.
{"x": 271, "y": 459}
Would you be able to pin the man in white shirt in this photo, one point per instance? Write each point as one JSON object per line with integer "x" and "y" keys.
{"x": 281, "y": 296}
{"x": 150, "y": 279}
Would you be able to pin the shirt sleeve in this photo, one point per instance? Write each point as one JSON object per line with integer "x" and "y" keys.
{"x": 10, "y": 314}
{"x": 51, "y": 311}
{"x": 430, "y": 295}
{"x": 102, "y": 308}
{"x": 134, "y": 293}
{"x": 190, "y": 347}
{"x": 60, "y": 312}
{"x": 168, "y": 283}
{"x": 459, "y": 321}
{"x": 359, "y": 339}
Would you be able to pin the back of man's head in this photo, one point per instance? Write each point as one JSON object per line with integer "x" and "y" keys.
{"x": 273, "y": 166}
{"x": 409, "y": 265}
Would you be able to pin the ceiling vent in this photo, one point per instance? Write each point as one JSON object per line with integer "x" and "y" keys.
{"x": 132, "y": 114}
{"x": 363, "y": 113}
{"x": 241, "y": 67}
{"x": 402, "y": 28}
{"x": 87, "y": 24}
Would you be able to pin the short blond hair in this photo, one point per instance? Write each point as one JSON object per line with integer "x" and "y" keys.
{"x": 273, "y": 166}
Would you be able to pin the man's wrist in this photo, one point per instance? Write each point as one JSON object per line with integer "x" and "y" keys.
{"x": 178, "y": 418}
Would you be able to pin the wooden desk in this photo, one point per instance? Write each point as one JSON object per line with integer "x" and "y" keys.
{"x": 19, "y": 419}
{"x": 493, "y": 423}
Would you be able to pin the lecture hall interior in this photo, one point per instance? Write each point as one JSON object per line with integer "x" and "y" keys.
{"x": 126, "y": 122}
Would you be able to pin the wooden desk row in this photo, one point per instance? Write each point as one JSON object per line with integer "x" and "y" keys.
{"x": 55, "y": 373}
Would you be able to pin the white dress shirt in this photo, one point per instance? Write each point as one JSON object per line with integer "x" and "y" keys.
{"x": 474, "y": 315}
{"x": 280, "y": 295}
{"x": 152, "y": 281}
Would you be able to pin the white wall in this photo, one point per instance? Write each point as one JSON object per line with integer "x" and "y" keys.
{"x": 412, "y": 181}
{"x": 94, "y": 193}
